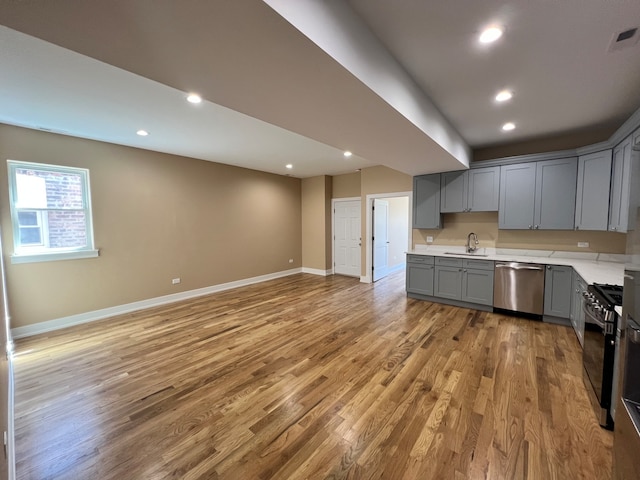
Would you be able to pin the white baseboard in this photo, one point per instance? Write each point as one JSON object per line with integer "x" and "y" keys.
{"x": 365, "y": 279}
{"x": 63, "y": 322}
{"x": 316, "y": 271}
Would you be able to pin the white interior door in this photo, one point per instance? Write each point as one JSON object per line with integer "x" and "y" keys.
{"x": 346, "y": 244}
{"x": 380, "y": 238}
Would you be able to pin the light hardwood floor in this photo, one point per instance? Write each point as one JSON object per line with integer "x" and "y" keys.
{"x": 307, "y": 377}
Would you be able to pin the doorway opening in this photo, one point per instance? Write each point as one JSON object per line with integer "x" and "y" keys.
{"x": 388, "y": 226}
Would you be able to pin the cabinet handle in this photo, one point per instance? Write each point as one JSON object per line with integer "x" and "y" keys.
{"x": 549, "y": 267}
{"x": 530, "y": 227}
{"x": 464, "y": 270}
{"x": 537, "y": 227}
{"x": 459, "y": 269}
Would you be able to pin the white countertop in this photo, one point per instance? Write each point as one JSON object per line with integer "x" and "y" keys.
{"x": 592, "y": 267}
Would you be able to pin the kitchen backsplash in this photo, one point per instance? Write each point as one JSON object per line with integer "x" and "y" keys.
{"x": 456, "y": 227}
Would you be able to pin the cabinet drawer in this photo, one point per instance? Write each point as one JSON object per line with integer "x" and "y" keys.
{"x": 449, "y": 262}
{"x": 422, "y": 259}
{"x": 478, "y": 264}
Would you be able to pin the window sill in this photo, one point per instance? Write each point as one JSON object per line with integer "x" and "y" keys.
{"x": 53, "y": 256}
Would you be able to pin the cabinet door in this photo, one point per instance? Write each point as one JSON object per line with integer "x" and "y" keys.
{"x": 477, "y": 286}
{"x": 557, "y": 291}
{"x": 484, "y": 189}
{"x": 517, "y": 196}
{"x": 448, "y": 282}
{"x": 555, "y": 206}
{"x": 592, "y": 195}
{"x": 426, "y": 201}
{"x": 420, "y": 279}
{"x": 620, "y": 187}
{"x": 580, "y": 290}
{"x": 453, "y": 192}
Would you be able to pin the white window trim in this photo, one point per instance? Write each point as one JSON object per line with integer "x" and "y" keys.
{"x": 53, "y": 256}
{"x": 29, "y": 255}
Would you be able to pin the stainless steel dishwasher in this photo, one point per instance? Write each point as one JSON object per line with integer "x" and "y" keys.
{"x": 519, "y": 287}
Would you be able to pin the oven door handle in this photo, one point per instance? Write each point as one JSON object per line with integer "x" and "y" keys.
{"x": 597, "y": 321}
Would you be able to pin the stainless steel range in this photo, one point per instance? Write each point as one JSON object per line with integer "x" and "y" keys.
{"x": 599, "y": 352}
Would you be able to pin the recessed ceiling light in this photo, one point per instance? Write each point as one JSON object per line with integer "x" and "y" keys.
{"x": 347, "y": 154}
{"x": 194, "y": 98}
{"x": 142, "y": 133}
{"x": 508, "y": 126}
{"x": 504, "y": 95}
{"x": 289, "y": 166}
{"x": 490, "y": 34}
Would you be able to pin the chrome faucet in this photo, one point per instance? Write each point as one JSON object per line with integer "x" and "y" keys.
{"x": 472, "y": 247}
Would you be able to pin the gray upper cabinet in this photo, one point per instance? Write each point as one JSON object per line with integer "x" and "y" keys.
{"x": 475, "y": 190}
{"x": 453, "y": 192}
{"x": 426, "y": 201}
{"x": 517, "y": 196}
{"x": 556, "y": 194}
{"x": 538, "y": 195}
{"x": 484, "y": 189}
{"x": 620, "y": 186}
{"x": 558, "y": 283}
{"x": 593, "y": 189}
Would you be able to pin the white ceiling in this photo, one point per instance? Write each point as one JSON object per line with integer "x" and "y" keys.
{"x": 553, "y": 54}
{"x": 276, "y": 95}
{"x": 51, "y": 88}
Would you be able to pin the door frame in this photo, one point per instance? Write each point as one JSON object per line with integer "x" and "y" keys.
{"x": 333, "y": 229}
{"x": 368, "y": 278}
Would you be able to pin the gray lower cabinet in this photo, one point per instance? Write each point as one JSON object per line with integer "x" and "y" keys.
{"x": 420, "y": 274}
{"x": 538, "y": 195}
{"x": 477, "y": 286}
{"x": 620, "y": 186}
{"x": 448, "y": 282}
{"x": 475, "y": 190}
{"x": 558, "y": 282}
{"x": 426, "y": 201}
{"x": 466, "y": 280}
{"x": 579, "y": 286}
{"x": 593, "y": 191}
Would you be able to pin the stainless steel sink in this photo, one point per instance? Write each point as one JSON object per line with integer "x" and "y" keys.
{"x": 467, "y": 254}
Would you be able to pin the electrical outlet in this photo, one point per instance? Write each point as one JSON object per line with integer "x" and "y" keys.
{"x": 175, "y": 281}
{"x": 291, "y": 260}
{"x": 583, "y": 244}
{"x": 429, "y": 239}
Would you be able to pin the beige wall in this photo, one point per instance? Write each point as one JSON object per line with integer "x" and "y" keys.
{"x": 379, "y": 180}
{"x": 398, "y": 229}
{"x": 546, "y": 144}
{"x": 485, "y": 224}
{"x": 346, "y": 186}
{"x": 156, "y": 217}
{"x": 384, "y": 180}
{"x": 316, "y": 222}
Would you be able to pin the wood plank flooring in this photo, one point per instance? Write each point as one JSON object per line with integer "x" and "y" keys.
{"x": 307, "y": 377}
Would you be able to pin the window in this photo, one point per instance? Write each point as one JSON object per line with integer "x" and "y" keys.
{"x": 50, "y": 212}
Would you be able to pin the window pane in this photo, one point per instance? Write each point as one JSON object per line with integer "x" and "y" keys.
{"x": 45, "y": 189}
{"x": 30, "y": 236}
{"x": 28, "y": 218}
{"x": 67, "y": 228}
